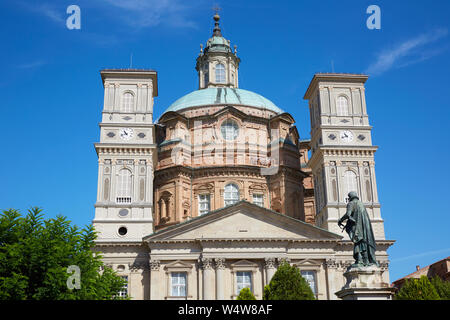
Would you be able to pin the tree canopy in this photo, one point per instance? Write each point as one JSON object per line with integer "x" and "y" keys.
{"x": 245, "y": 294}
{"x": 442, "y": 287}
{"x": 288, "y": 284}
{"x": 417, "y": 289}
{"x": 35, "y": 254}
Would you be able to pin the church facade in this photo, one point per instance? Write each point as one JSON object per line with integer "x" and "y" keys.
{"x": 219, "y": 191}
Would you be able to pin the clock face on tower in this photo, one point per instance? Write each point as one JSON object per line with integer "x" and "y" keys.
{"x": 126, "y": 133}
{"x": 346, "y": 136}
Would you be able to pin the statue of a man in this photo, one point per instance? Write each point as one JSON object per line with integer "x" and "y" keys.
{"x": 360, "y": 231}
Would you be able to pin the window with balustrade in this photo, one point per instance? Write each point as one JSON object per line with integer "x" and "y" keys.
{"x": 124, "y": 186}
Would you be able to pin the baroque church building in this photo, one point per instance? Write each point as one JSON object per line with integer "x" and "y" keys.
{"x": 216, "y": 193}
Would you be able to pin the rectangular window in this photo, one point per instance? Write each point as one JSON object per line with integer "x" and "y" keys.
{"x": 124, "y": 291}
{"x": 203, "y": 204}
{"x": 178, "y": 284}
{"x": 310, "y": 277}
{"x": 243, "y": 280}
{"x": 258, "y": 199}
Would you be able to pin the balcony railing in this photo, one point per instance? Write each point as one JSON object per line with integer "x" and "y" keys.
{"x": 123, "y": 200}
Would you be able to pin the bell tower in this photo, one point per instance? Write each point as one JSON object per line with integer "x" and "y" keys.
{"x": 126, "y": 154}
{"x": 217, "y": 65}
{"x": 342, "y": 158}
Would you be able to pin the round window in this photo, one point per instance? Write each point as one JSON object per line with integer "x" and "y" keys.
{"x": 123, "y": 231}
{"x": 229, "y": 129}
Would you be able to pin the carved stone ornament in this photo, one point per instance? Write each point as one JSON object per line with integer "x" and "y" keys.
{"x": 154, "y": 265}
{"x": 270, "y": 263}
{"x": 207, "y": 263}
{"x": 220, "y": 263}
{"x": 331, "y": 264}
{"x": 283, "y": 260}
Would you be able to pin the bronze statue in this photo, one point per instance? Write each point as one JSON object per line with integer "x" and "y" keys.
{"x": 360, "y": 232}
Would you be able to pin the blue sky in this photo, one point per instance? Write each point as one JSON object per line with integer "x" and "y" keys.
{"x": 51, "y": 92}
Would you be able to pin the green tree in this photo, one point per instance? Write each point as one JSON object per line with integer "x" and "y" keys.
{"x": 245, "y": 294}
{"x": 417, "y": 289}
{"x": 35, "y": 254}
{"x": 442, "y": 287}
{"x": 288, "y": 284}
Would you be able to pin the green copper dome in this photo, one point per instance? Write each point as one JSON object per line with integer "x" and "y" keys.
{"x": 223, "y": 96}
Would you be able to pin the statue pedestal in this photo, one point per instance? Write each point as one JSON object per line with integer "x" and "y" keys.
{"x": 365, "y": 283}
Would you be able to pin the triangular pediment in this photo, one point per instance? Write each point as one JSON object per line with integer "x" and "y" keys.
{"x": 244, "y": 263}
{"x": 243, "y": 220}
{"x": 308, "y": 262}
{"x": 178, "y": 264}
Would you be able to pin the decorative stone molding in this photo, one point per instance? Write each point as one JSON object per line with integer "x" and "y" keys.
{"x": 206, "y": 263}
{"x": 282, "y": 260}
{"x": 344, "y": 264}
{"x": 331, "y": 264}
{"x": 270, "y": 263}
{"x": 154, "y": 265}
{"x": 137, "y": 266}
{"x": 220, "y": 263}
{"x": 384, "y": 265}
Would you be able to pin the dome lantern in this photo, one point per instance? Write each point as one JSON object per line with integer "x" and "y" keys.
{"x": 217, "y": 65}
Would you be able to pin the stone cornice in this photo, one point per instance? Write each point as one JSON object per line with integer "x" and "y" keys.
{"x": 334, "y": 77}
{"x": 108, "y": 243}
{"x": 243, "y": 170}
{"x": 378, "y": 242}
{"x": 131, "y": 124}
{"x": 127, "y": 205}
{"x": 121, "y": 149}
{"x": 341, "y": 151}
{"x": 287, "y": 240}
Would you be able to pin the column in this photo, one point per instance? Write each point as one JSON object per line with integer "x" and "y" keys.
{"x": 100, "y": 180}
{"x": 113, "y": 182}
{"x": 148, "y": 104}
{"x": 149, "y": 177}
{"x": 155, "y": 283}
{"x": 135, "y": 179}
{"x": 139, "y": 98}
{"x": 330, "y": 267}
{"x": 333, "y": 110}
{"x": 374, "y": 181}
{"x": 106, "y": 97}
{"x": 220, "y": 286}
{"x": 208, "y": 279}
{"x": 116, "y": 97}
{"x": 269, "y": 264}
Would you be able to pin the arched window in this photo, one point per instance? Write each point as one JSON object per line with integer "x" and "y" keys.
{"x": 127, "y": 102}
{"x": 342, "y": 106}
{"x": 124, "y": 186}
{"x": 350, "y": 183}
{"x": 231, "y": 194}
{"x": 220, "y": 73}
{"x": 229, "y": 129}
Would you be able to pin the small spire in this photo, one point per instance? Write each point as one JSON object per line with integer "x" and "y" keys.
{"x": 217, "y": 32}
